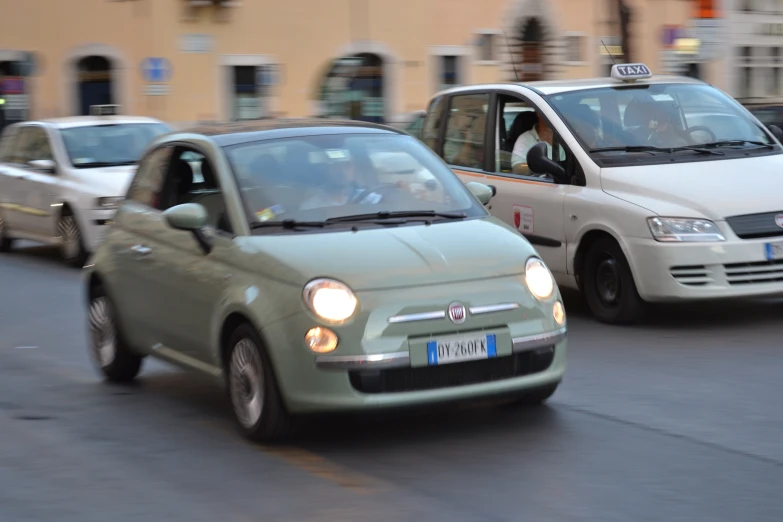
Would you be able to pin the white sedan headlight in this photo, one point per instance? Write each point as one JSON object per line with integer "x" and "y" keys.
{"x": 330, "y": 300}
{"x": 539, "y": 279}
{"x": 673, "y": 230}
{"x": 108, "y": 202}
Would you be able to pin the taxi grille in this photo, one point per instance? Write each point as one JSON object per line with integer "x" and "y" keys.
{"x": 761, "y": 272}
{"x": 451, "y": 375}
{"x": 754, "y": 226}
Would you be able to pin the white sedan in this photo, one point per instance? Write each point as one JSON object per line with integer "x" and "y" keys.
{"x": 61, "y": 179}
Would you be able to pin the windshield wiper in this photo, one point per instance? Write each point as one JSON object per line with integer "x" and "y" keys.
{"x": 288, "y": 224}
{"x": 398, "y": 215}
{"x": 99, "y": 164}
{"x": 650, "y": 148}
{"x": 736, "y": 143}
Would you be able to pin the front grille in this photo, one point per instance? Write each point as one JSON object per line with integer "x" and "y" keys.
{"x": 691, "y": 275}
{"x": 761, "y": 272}
{"x": 450, "y": 375}
{"x": 754, "y": 226}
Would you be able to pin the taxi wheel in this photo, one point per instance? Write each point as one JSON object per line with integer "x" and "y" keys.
{"x": 108, "y": 351}
{"x": 71, "y": 244}
{"x": 609, "y": 287}
{"x": 6, "y": 243}
{"x": 252, "y": 388}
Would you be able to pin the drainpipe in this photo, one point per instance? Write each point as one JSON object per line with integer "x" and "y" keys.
{"x": 624, "y": 13}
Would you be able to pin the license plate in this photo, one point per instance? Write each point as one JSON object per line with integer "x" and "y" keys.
{"x": 459, "y": 348}
{"x": 774, "y": 251}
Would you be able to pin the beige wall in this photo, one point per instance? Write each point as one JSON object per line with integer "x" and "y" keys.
{"x": 303, "y": 36}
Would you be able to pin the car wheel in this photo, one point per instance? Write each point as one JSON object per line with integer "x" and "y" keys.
{"x": 252, "y": 387}
{"x": 536, "y": 396}
{"x": 71, "y": 245}
{"x": 609, "y": 287}
{"x": 6, "y": 243}
{"x": 108, "y": 350}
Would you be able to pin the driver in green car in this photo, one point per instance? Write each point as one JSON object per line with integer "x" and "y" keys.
{"x": 341, "y": 184}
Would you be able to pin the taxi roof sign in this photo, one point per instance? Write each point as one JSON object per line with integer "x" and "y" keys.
{"x": 629, "y": 72}
{"x": 104, "y": 110}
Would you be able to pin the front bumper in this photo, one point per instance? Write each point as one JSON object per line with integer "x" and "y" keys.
{"x": 693, "y": 271}
{"x": 380, "y": 363}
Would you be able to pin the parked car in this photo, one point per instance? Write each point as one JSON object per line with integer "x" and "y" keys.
{"x": 411, "y": 123}
{"x": 303, "y": 269}
{"x": 62, "y": 179}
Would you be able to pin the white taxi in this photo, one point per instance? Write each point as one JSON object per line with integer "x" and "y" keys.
{"x": 62, "y": 179}
{"x": 634, "y": 188}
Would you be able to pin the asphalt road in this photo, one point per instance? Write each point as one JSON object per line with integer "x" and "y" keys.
{"x": 680, "y": 418}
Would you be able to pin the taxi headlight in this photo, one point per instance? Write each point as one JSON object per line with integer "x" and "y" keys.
{"x": 109, "y": 202}
{"x": 330, "y": 300}
{"x": 538, "y": 278}
{"x": 674, "y": 230}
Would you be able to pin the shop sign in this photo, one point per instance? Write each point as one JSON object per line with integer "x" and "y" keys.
{"x": 687, "y": 46}
{"x": 12, "y": 85}
{"x": 196, "y": 43}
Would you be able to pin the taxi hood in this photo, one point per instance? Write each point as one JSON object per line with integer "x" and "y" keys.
{"x": 394, "y": 257}
{"x": 701, "y": 189}
{"x": 106, "y": 181}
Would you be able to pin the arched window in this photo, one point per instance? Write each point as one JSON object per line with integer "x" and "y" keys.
{"x": 95, "y": 82}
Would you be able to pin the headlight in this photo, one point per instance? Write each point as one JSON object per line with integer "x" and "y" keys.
{"x": 112, "y": 202}
{"x": 330, "y": 300}
{"x": 538, "y": 278}
{"x": 683, "y": 230}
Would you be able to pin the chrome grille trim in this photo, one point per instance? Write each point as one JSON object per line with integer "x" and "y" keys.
{"x": 488, "y": 309}
{"x": 423, "y": 316}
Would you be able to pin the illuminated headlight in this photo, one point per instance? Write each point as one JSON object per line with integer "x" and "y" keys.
{"x": 538, "y": 278}
{"x": 112, "y": 202}
{"x": 330, "y": 300}
{"x": 670, "y": 230}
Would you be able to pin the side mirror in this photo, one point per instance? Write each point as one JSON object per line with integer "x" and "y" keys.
{"x": 191, "y": 217}
{"x": 482, "y": 192}
{"x": 775, "y": 130}
{"x": 539, "y": 163}
{"x": 44, "y": 165}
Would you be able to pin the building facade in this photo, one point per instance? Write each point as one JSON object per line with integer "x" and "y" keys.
{"x": 213, "y": 60}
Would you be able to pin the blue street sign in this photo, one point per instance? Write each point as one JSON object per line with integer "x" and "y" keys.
{"x": 156, "y": 70}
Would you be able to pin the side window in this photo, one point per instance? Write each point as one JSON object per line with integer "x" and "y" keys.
{"x": 16, "y": 153}
{"x": 463, "y": 144}
{"x": 192, "y": 179}
{"x": 148, "y": 182}
{"x": 36, "y": 146}
{"x": 520, "y": 126}
{"x": 7, "y": 143}
{"x": 432, "y": 121}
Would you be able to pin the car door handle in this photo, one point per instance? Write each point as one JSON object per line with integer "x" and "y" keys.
{"x": 141, "y": 250}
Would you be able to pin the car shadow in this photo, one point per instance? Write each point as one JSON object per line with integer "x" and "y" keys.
{"x": 36, "y": 252}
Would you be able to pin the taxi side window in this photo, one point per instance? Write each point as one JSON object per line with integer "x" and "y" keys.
{"x": 519, "y": 128}
{"x": 148, "y": 182}
{"x": 432, "y": 122}
{"x": 463, "y": 144}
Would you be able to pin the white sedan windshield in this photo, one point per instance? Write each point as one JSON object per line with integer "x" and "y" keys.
{"x": 657, "y": 115}
{"x": 110, "y": 144}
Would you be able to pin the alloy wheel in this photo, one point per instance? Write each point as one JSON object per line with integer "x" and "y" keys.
{"x": 102, "y": 331}
{"x": 68, "y": 230}
{"x": 247, "y": 383}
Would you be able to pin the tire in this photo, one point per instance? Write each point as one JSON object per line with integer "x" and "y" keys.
{"x": 72, "y": 248}
{"x": 252, "y": 388}
{"x": 6, "y": 243}
{"x": 108, "y": 351}
{"x": 609, "y": 288}
{"x": 535, "y": 397}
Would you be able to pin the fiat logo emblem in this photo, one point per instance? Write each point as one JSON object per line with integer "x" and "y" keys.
{"x": 457, "y": 313}
{"x": 779, "y": 220}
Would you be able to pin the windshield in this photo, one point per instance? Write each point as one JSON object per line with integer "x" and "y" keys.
{"x": 109, "y": 145}
{"x": 316, "y": 178}
{"x": 656, "y": 116}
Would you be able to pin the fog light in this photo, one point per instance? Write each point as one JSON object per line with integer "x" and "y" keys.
{"x": 321, "y": 340}
{"x": 558, "y": 312}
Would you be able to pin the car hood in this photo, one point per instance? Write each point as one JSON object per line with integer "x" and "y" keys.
{"x": 106, "y": 181}
{"x": 702, "y": 189}
{"x": 372, "y": 259}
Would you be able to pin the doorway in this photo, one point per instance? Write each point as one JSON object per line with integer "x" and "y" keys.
{"x": 95, "y": 78}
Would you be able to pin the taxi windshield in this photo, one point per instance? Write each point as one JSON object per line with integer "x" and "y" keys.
{"x": 339, "y": 177}
{"x": 655, "y": 117}
{"x": 109, "y": 145}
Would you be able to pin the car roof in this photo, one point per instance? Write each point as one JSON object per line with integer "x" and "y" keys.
{"x": 560, "y": 86}
{"x": 233, "y": 133}
{"x": 87, "y": 121}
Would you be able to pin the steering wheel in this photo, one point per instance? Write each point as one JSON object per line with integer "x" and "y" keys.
{"x": 701, "y": 128}
{"x": 378, "y": 189}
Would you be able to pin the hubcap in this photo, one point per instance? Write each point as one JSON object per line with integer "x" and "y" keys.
{"x": 608, "y": 281}
{"x": 69, "y": 236}
{"x": 246, "y": 383}
{"x": 104, "y": 338}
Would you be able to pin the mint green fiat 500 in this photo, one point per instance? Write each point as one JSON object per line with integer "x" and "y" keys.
{"x": 319, "y": 266}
